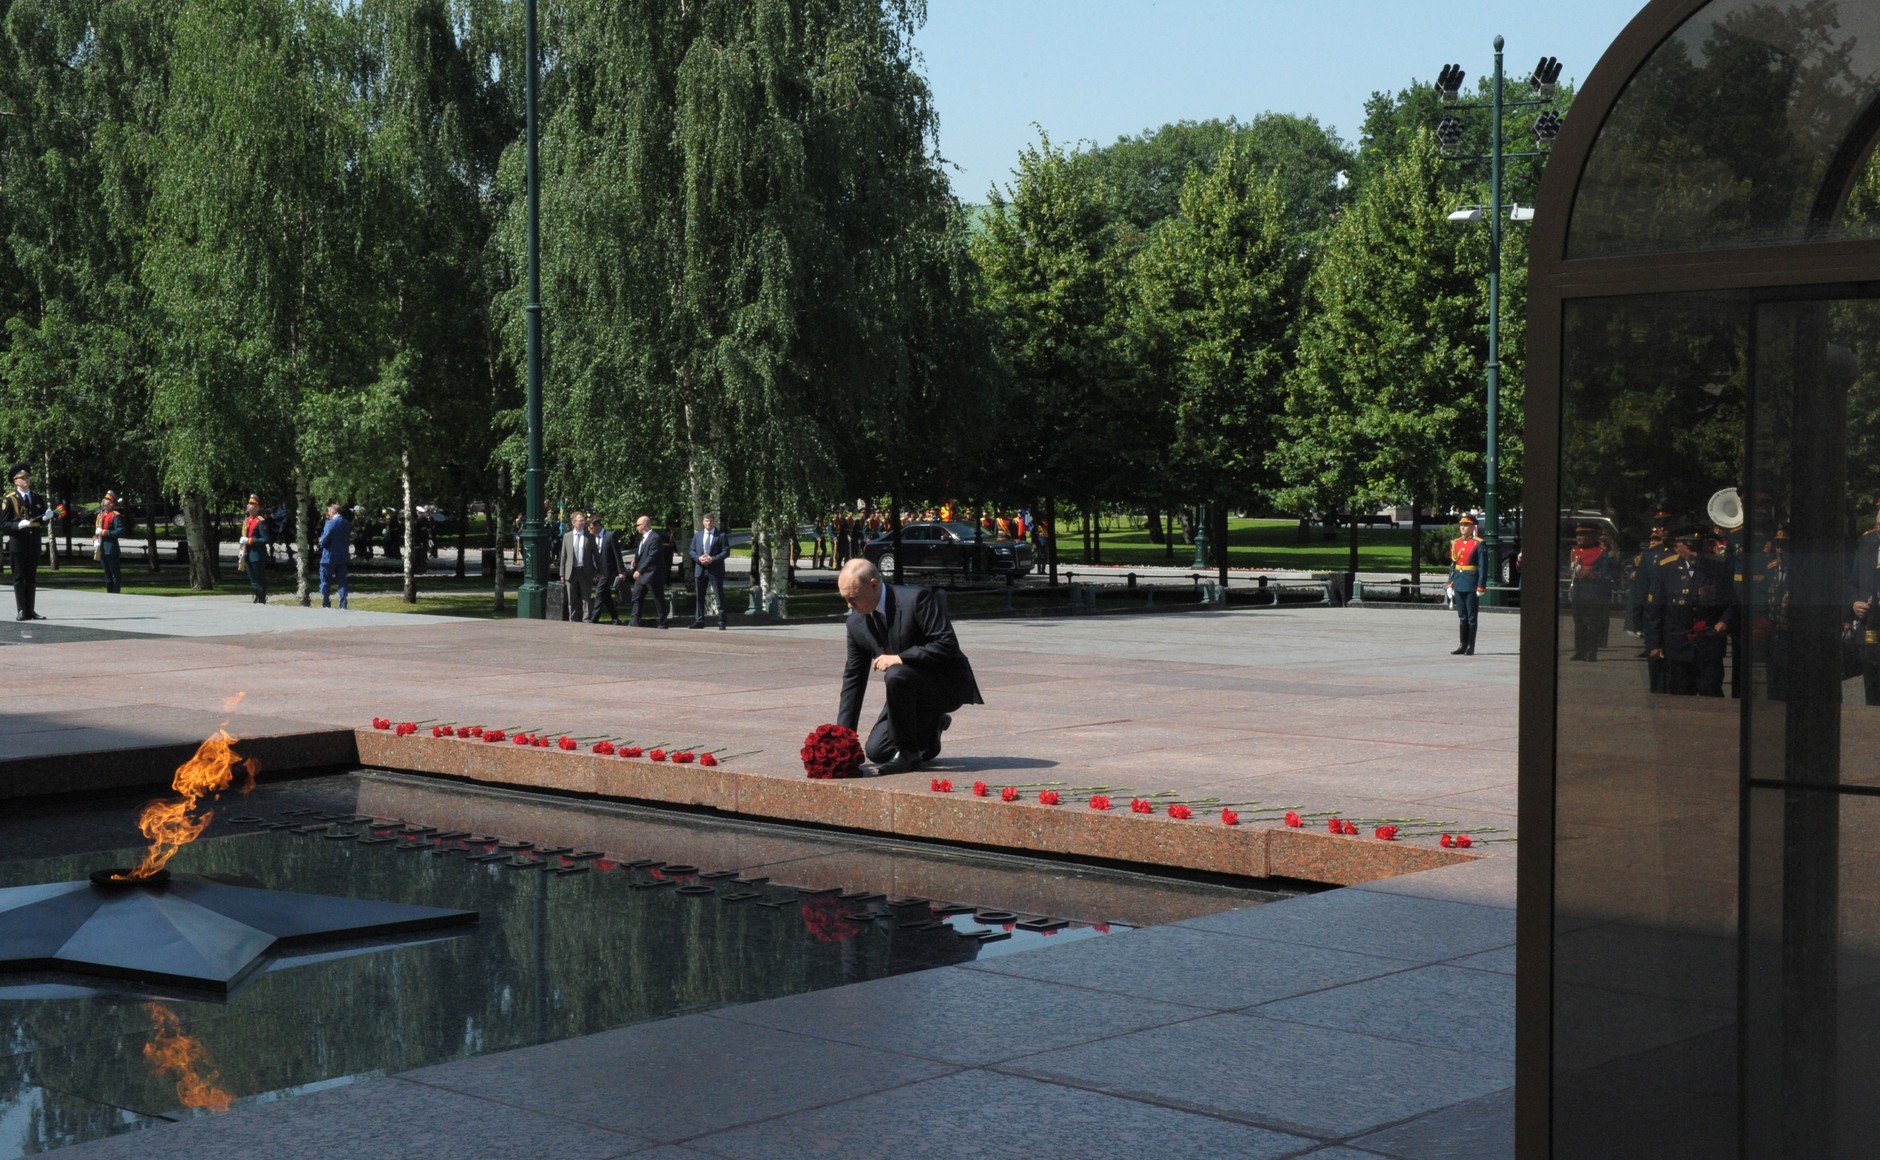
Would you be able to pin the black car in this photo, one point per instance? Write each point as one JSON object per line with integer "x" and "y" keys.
{"x": 931, "y": 546}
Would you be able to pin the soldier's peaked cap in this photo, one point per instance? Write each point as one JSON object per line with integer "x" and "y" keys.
{"x": 1467, "y": 520}
{"x": 17, "y": 470}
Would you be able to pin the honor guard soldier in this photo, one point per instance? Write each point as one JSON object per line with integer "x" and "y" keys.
{"x": 1689, "y": 617}
{"x": 1863, "y": 600}
{"x": 105, "y": 531}
{"x": 254, "y": 549}
{"x": 1589, "y": 590}
{"x": 26, "y": 517}
{"x": 1465, "y": 576}
{"x": 1638, "y": 583}
{"x": 1662, "y": 553}
{"x": 1769, "y": 633}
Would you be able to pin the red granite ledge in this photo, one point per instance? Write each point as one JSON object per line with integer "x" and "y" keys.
{"x": 903, "y": 807}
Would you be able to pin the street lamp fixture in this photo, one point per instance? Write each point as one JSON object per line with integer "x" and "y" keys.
{"x": 1520, "y": 213}
{"x": 1449, "y": 134}
{"x": 1467, "y": 215}
{"x": 1547, "y": 127}
{"x": 1449, "y": 82}
{"x": 1545, "y": 77}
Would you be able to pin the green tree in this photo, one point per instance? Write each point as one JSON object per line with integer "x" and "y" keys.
{"x": 1385, "y": 404}
{"x": 1216, "y": 294}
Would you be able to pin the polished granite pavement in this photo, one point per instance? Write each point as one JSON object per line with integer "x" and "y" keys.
{"x": 1358, "y": 1023}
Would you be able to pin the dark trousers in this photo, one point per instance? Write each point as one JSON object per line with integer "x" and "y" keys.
{"x": 23, "y": 554}
{"x": 911, "y": 718}
{"x": 1589, "y": 622}
{"x": 1870, "y": 674}
{"x": 1657, "y": 671}
{"x": 1700, "y": 676}
{"x": 1468, "y": 605}
{"x": 256, "y": 565}
{"x": 113, "y": 571}
{"x": 714, "y": 580}
{"x": 604, "y": 598}
{"x": 656, "y": 585}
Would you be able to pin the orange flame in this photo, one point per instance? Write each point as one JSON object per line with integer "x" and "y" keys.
{"x": 170, "y": 1052}
{"x": 172, "y": 825}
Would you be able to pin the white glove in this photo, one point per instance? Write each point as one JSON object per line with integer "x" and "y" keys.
{"x": 47, "y": 515}
{"x": 24, "y": 524}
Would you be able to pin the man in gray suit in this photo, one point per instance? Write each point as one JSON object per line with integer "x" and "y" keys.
{"x": 650, "y": 563}
{"x": 580, "y": 563}
{"x": 708, "y": 550}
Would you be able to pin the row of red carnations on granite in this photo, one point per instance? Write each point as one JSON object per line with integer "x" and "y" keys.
{"x": 538, "y": 741}
{"x": 1182, "y": 813}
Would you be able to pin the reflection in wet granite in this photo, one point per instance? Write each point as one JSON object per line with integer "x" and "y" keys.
{"x": 631, "y": 918}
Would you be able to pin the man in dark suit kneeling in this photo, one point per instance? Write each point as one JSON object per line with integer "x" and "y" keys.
{"x": 902, "y": 632}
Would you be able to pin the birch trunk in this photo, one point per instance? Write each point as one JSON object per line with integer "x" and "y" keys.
{"x": 411, "y": 529}
{"x": 303, "y": 539}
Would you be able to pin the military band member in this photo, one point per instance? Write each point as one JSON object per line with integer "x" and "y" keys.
{"x": 1466, "y": 578}
{"x": 105, "y": 531}
{"x": 25, "y": 519}
{"x": 1589, "y": 591}
{"x": 1769, "y": 634}
{"x": 253, "y": 547}
{"x": 1689, "y": 618}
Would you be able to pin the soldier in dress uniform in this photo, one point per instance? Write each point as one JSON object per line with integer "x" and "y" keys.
{"x": 1863, "y": 600}
{"x": 1589, "y": 590}
{"x": 106, "y": 529}
{"x": 1769, "y": 634}
{"x": 1660, "y": 553}
{"x": 1466, "y": 578}
{"x": 25, "y": 519}
{"x": 253, "y": 547}
{"x": 1638, "y": 581}
{"x": 1689, "y": 617}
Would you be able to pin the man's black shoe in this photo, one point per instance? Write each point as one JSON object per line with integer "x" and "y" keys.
{"x": 34, "y": 616}
{"x": 721, "y": 626}
{"x": 696, "y": 624}
{"x": 901, "y": 762}
{"x": 22, "y": 615}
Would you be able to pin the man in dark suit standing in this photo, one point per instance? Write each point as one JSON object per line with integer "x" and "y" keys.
{"x": 26, "y": 516}
{"x": 902, "y": 632}
{"x": 649, "y": 571}
{"x": 579, "y": 566}
{"x": 607, "y": 549}
{"x": 708, "y": 560}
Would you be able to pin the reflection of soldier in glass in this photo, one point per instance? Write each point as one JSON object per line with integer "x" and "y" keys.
{"x": 1688, "y": 618}
{"x": 1657, "y": 553}
{"x": 1769, "y": 635}
{"x": 1589, "y": 591}
{"x": 1863, "y": 583}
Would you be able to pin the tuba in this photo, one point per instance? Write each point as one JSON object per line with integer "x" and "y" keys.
{"x": 1725, "y": 509}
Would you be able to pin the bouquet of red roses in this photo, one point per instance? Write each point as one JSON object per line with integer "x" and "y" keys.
{"x": 831, "y": 751}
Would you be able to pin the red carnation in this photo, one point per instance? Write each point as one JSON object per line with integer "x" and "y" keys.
{"x": 1048, "y": 797}
{"x": 1138, "y": 806}
{"x": 979, "y": 789}
{"x": 1463, "y": 841}
{"x": 1100, "y": 802}
{"x": 521, "y": 739}
{"x": 686, "y": 758}
{"x": 1387, "y": 833}
{"x": 1446, "y": 841}
{"x": 475, "y": 731}
{"x": 824, "y": 920}
{"x": 832, "y": 751}
{"x": 1293, "y": 819}
{"x": 1008, "y": 794}
{"x": 381, "y": 722}
{"x": 1351, "y": 829}
{"x": 946, "y": 785}
{"x": 1229, "y": 818}
{"x": 493, "y": 735}
{"x": 707, "y": 759}
{"x": 934, "y": 786}
{"x": 1180, "y": 812}
{"x": 406, "y": 729}
{"x": 539, "y": 741}
{"x": 604, "y": 748}
{"x": 1335, "y": 825}
{"x": 567, "y": 743}
{"x": 631, "y": 751}
{"x": 657, "y": 755}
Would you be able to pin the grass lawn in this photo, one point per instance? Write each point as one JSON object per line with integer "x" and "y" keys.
{"x": 1271, "y": 544}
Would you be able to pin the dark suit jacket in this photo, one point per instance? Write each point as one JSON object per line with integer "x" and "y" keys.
{"x": 607, "y": 550}
{"x": 649, "y": 559}
{"x": 921, "y": 634}
{"x": 713, "y": 544}
{"x": 590, "y": 559}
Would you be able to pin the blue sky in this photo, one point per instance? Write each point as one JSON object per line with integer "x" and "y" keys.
{"x": 1095, "y": 70}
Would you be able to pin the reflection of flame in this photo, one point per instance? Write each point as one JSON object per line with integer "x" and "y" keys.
{"x": 172, "y": 825}
{"x": 170, "y": 1052}
{"x": 228, "y": 706}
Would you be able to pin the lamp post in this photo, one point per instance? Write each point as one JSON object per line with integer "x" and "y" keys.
{"x": 1449, "y": 135}
{"x": 532, "y": 597}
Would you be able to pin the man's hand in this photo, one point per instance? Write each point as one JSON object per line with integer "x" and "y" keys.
{"x": 1658, "y": 653}
{"x": 1860, "y": 609}
{"x": 886, "y": 661}
{"x": 1481, "y": 591}
{"x": 705, "y": 559}
{"x": 636, "y": 575}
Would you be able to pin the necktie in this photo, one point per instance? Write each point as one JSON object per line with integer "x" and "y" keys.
{"x": 878, "y": 625}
